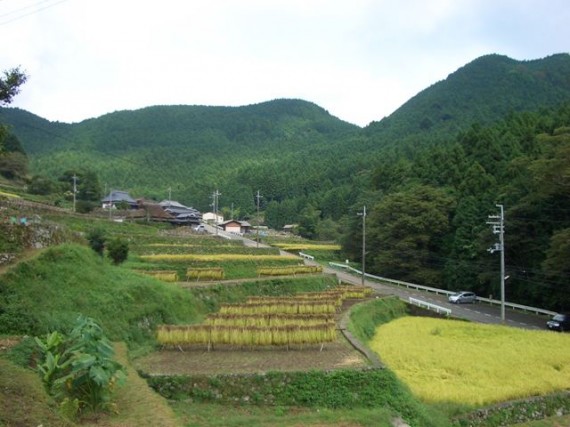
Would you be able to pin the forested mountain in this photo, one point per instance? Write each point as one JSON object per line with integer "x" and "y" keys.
{"x": 495, "y": 131}
{"x": 482, "y": 91}
{"x": 190, "y": 149}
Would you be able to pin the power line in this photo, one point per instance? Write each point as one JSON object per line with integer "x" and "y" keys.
{"x": 16, "y": 18}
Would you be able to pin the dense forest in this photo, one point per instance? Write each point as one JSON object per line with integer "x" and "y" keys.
{"x": 495, "y": 131}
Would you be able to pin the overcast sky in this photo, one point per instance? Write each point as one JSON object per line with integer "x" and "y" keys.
{"x": 358, "y": 59}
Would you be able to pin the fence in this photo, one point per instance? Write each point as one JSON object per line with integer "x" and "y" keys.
{"x": 408, "y": 285}
{"x": 306, "y": 256}
{"x": 430, "y": 306}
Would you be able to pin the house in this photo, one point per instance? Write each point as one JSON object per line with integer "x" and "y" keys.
{"x": 150, "y": 211}
{"x": 290, "y": 228}
{"x": 116, "y": 198}
{"x": 181, "y": 214}
{"x": 211, "y": 217}
{"x": 235, "y": 226}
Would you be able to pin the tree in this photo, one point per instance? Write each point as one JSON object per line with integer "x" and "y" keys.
{"x": 407, "y": 231}
{"x": 10, "y": 84}
{"x": 118, "y": 250}
{"x": 13, "y": 165}
{"x": 88, "y": 186}
{"x": 96, "y": 239}
{"x": 308, "y": 222}
{"x": 41, "y": 185}
{"x": 557, "y": 269}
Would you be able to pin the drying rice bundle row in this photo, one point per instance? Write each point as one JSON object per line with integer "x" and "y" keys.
{"x": 163, "y": 275}
{"x": 205, "y": 273}
{"x": 289, "y": 270}
{"x": 183, "y": 334}
{"x": 245, "y": 336}
{"x": 260, "y": 321}
{"x": 304, "y": 335}
{"x": 321, "y": 296}
{"x": 355, "y": 291}
{"x": 294, "y": 300}
{"x": 298, "y": 307}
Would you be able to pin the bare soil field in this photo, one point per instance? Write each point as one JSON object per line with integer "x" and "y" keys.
{"x": 336, "y": 355}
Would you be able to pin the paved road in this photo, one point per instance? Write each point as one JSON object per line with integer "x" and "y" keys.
{"x": 481, "y": 312}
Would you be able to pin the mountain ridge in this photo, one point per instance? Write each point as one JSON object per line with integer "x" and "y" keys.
{"x": 280, "y": 146}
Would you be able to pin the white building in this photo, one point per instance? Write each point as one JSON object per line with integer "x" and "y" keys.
{"x": 211, "y": 217}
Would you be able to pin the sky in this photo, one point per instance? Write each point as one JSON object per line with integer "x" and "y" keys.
{"x": 359, "y": 59}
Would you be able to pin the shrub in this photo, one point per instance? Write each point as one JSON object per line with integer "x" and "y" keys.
{"x": 77, "y": 369}
{"x": 118, "y": 250}
{"x": 96, "y": 239}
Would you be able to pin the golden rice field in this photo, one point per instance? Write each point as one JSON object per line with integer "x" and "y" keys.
{"x": 307, "y": 247}
{"x": 213, "y": 257}
{"x": 9, "y": 195}
{"x": 454, "y": 361}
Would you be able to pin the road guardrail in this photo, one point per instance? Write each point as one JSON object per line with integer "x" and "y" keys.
{"x": 514, "y": 306}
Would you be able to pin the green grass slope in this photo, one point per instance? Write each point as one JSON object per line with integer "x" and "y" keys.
{"x": 49, "y": 292}
{"x": 23, "y": 400}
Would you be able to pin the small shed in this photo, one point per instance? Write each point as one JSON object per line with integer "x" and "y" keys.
{"x": 235, "y": 226}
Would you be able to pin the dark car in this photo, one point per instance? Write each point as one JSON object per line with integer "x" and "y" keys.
{"x": 560, "y": 322}
{"x": 463, "y": 297}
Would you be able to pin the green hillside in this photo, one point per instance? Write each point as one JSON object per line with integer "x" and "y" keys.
{"x": 288, "y": 149}
{"x": 483, "y": 91}
{"x": 495, "y": 131}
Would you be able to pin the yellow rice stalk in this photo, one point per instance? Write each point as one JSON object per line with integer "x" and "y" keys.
{"x": 206, "y": 273}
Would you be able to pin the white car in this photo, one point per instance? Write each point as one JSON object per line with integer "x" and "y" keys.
{"x": 463, "y": 297}
{"x": 200, "y": 228}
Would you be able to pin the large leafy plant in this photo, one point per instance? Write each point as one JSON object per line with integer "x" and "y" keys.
{"x": 78, "y": 368}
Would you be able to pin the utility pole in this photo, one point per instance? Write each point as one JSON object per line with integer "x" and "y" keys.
{"x": 498, "y": 223}
{"x": 74, "y": 189}
{"x": 110, "y": 203}
{"x": 215, "y": 196}
{"x": 363, "y": 215}
{"x": 258, "y": 196}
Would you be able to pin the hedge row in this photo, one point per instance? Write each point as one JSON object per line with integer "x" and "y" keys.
{"x": 331, "y": 389}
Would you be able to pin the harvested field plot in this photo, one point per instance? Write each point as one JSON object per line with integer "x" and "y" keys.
{"x": 338, "y": 354}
